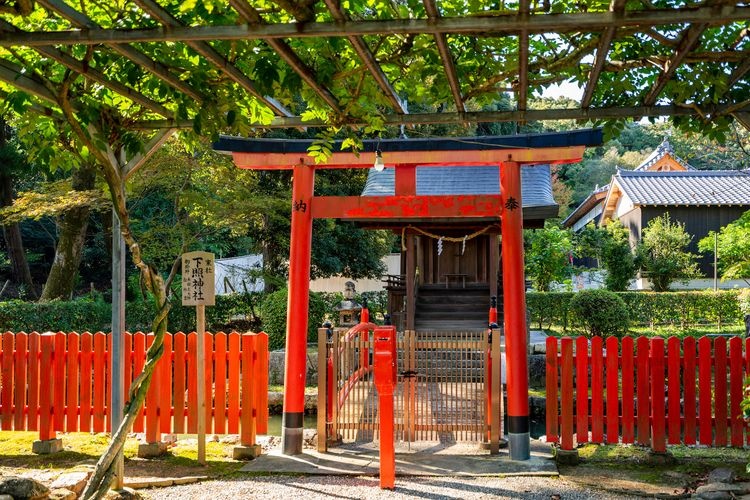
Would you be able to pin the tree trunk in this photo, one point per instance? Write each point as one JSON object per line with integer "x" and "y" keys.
{"x": 72, "y": 225}
{"x": 20, "y": 272}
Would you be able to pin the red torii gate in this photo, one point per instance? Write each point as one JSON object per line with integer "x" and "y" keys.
{"x": 509, "y": 153}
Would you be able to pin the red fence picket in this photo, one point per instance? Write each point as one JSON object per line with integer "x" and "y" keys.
{"x": 566, "y": 393}
{"x": 551, "y": 385}
{"x": 735, "y": 391}
{"x": 613, "y": 389}
{"x": 628, "y": 396}
{"x": 582, "y": 389}
{"x": 688, "y": 383}
{"x": 673, "y": 390}
{"x": 60, "y": 382}
{"x": 597, "y": 391}
{"x": 651, "y": 398}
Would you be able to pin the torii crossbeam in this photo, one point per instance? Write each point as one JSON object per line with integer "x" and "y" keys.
{"x": 508, "y": 153}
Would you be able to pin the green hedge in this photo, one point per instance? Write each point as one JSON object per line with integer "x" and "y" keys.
{"x": 645, "y": 308}
{"x": 65, "y": 316}
{"x": 274, "y": 310}
{"x": 231, "y": 312}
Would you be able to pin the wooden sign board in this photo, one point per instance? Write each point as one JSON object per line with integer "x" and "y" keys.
{"x": 198, "y": 279}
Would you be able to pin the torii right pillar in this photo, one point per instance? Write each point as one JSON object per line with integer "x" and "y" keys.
{"x": 514, "y": 312}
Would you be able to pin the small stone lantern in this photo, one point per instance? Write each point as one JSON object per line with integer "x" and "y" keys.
{"x": 348, "y": 309}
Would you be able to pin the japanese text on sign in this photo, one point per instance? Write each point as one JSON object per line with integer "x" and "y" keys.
{"x": 198, "y": 279}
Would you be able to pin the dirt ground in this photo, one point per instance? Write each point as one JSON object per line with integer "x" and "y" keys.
{"x": 622, "y": 470}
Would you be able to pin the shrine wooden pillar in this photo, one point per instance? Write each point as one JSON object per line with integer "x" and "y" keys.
{"x": 300, "y": 246}
{"x": 514, "y": 310}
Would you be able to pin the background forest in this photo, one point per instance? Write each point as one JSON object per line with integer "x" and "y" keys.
{"x": 57, "y": 221}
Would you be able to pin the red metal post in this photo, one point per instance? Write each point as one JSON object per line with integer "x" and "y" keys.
{"x": 385, "y": 381}
{"x": 297, "y": 309}
{"x": 514, "y": 305}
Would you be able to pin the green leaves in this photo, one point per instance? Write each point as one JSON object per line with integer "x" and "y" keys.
{"x": 662, "y": 253}
{"x": 733, "y": 243}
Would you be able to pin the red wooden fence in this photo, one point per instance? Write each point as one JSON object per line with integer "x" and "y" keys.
{"x": 641, "y": 392}
{"x": 61, "y": 382}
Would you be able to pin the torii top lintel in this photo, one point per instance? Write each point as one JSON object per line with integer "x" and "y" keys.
{"x": 283, "y": 154}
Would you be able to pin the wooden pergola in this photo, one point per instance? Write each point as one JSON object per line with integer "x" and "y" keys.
{"x": 161, "y": 68}
{"x": 528, "y": 46}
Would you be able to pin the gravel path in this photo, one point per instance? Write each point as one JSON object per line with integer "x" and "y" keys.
{"x": 434, "y": 488}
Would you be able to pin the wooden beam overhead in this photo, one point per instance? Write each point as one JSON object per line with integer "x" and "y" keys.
{"x": 445, "y": 55}
{"x": 202, "y": 47}
{"x": 523, "y": 58}
{"x": 473, "y": 25}
{"x": 739, "y": 71}
{"x": 688, "y": 41}
{"x": 81, "y": 21}
{"x": 249, "y": 14}
{"x": 95, "y": 75}
{"x": 605, "y": 40}
{"x": 14, "y": 75}
{"x": 592, "y": 114}
{"x": 368, "y": 59}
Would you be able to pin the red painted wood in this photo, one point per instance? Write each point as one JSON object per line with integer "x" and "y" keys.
{"x": 405, "y": 207}
{"x": 208, "y": 349}
{"x": 108, "y": 386}
{"x": 597, "y": 390}
{"x": 165, "y": 388}
{"x": 688, "y": 384}
{"x": 127, "y": 348}
{"x": 613, "y": 391}
{"x": 73, "y": 382}
{"x": 300, "y": 244}
{"x": 19, "y": 379}
{"x": 551, "y": 377}
{"x": 628, "y": 397}
{"x": 643, "y": 429}
{"x": 139, "y": 358}
{"x": 747, "y": 373}
{"x": 47, "y": 388}
{"x": 285, "y": 161}
{"x": 658, "y": 424}
{"x": 58, "y": 408}
{"x": 180, "y": 367}
{"x": 6, "y": 395}
{"x": 406, "y": 180}
{"x": 566, "y": 393}
{"x": 735, "y": 391}
{"x": 152, "y": 402}
{"x": 220, "y": 387}
{"x": 582, "y": 389}
{"x": 674, "y": 388}
{"x": 704, "y": 391}
{"x": 34, "y": 363}
{"x": 247, "y": 427}
{"x": 720, "y": 391}
{"x": 233, "y": 413}
{"x": 87, "y": 354}
{"x": 99, "y": 391}
{"x": 261, "y": 386}
{"x": 192, "y": 383}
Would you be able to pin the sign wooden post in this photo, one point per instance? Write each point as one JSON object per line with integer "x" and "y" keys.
{"x": 198, "y": 291}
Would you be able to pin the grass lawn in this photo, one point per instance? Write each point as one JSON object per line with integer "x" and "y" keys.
{"x": 83, "y": 450}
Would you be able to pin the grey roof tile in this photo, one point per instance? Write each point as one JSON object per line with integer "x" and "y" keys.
{"x": 536, "y": 182}
{"x": 694, "y": 187}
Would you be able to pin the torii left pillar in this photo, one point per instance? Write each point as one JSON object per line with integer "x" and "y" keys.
{"x": 514, "y": 311}
{"x": 300, "y": 246}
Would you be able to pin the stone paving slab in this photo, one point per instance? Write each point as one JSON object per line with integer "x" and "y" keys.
{"x": 423, "y": 459}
